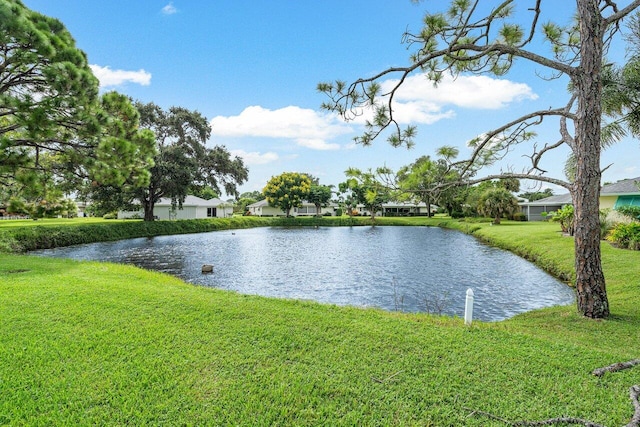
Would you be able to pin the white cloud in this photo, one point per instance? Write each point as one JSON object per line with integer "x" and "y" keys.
{"x": 418, "y": 101}
{"x": 254, "y": 157}
{"x": 317, "y": 144}
{"x": 109, "y": 77}
{"x": 306, "y": 127}
{"x": 169, "y": 9}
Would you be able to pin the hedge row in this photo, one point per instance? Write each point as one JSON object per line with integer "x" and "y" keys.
{"x": 25, "y": 239}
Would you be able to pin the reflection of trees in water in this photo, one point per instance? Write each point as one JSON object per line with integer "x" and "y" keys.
{"x": 168, "y": 260}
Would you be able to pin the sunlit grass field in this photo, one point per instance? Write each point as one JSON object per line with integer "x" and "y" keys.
{"x": 85, "y": 343}
{"x": 13, "y": 223}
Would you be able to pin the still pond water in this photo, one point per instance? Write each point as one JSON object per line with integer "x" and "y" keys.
{"x": 424, "y": 269}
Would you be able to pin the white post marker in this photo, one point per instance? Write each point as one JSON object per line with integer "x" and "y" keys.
{"x": 468, "y": 307}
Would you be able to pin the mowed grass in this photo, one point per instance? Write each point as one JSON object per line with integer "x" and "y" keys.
{"x": 52, "y": 222}
{"x": 85, "y": 343}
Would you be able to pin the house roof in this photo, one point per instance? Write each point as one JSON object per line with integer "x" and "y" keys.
{"x": 259, "y": 204}
{"x": 406, "y": 205}
{"x": 626, "y": 186}
{"x": 559, "y": 199}
{"x": 192, "y": 201}
{"x": 264, "y": 203}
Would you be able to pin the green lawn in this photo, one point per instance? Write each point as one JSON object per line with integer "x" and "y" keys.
{"x": 14, "y": 223}
{"x": 85, "y": 343}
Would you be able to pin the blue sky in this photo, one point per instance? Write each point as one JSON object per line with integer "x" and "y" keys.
{"x": 252, "y": 66}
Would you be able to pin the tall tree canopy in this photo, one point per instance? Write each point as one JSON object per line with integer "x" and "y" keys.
{"x": 465, "y": 40}
{"x": 47, "y": 89}
{"x": 183, "y": 161}
{"x": 54, "y": 128}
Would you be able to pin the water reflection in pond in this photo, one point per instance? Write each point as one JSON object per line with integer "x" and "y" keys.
{"x": 394, "y": 268}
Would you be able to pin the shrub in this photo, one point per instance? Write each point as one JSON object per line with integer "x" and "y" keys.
{"x": 626, "y": 236}
{"x": 22, "y": 239}
{"x": 606, "y": 224}
{"x": 632, "y": 212}
{"x": 565, "y": 217}
{"x": 519, "y": 216}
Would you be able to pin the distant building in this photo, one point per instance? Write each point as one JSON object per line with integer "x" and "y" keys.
{"x": 406, "y": 209}
{"x": 192, "y": 208}
{"x": 262, "y": 208}
{"x": 537, "y": 210}
{"x": 612, "y": 196}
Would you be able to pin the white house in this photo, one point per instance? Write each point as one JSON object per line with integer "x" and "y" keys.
{"x": 262, "y": 208}
{"x": 192, "y": 208}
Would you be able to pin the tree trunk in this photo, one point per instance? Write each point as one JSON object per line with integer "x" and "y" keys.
{"x": 148, "y": 206}
{"x": 590, "y": 284}
{"x": 148, "y": 201}
{"x": 427, "y": 201}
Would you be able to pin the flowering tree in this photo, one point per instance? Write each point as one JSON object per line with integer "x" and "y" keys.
{"x": 287, "y": 190}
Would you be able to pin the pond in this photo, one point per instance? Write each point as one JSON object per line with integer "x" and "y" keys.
{"x": 416, "y": 269}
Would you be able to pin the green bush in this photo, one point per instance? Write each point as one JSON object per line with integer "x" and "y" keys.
{"x": 606, "y": 224}
{"x": 565, "y": 217}
{"x": 626, "y": 236}
{"x": 22, "y": 239}
{"x": 629, "y": 211}
{"x": 519, "y": 216}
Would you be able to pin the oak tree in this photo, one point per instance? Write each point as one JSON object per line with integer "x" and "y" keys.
{"x": 426, "y": 179}
{"x": 183, "y": 161}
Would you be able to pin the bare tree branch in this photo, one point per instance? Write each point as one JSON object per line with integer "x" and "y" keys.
{"x": 634, "y": 394}
{"x": 520, "y": 124}
{"x": 615, "y": 367}
{"x": 619, "y": 14}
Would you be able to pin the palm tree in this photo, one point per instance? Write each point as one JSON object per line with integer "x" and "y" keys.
{"x": 497, "y": 202}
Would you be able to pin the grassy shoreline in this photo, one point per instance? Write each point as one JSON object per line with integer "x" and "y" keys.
{"x": 87, "y": 343}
